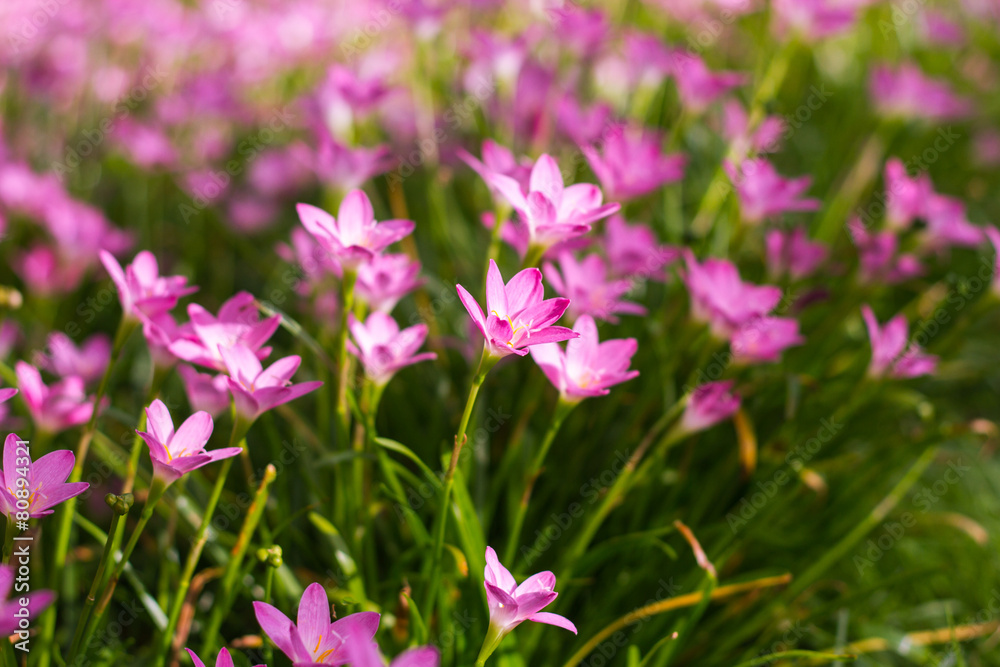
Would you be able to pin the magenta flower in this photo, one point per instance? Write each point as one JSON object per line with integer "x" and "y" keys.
{"x": 721, "y": 299}
{"x": 175, "y": 454}
{"x": 890, "y": 354}
{"x": 631, "y": 163}
{"x": 222, "y": 660}
{"x": 346, "y": 167}
{"x": 763, "y": 339}
{"x": 57, "y": 407}
{"x": 699, "y": 86}
{"x": 764, "y": 194}
{"x": 708, "y": 405}
{"x": 766, "y": 138}
{"x": 314, "y": 640}
{"x": 906, "y": 198}
{"x": 161, "y": 331}
{"x": 877, "y": 254}
{"x": 500, "y": 160}
{"x": 41, "y": 483}
{"x": 586, "y": 285}
{"x": 510, "y": 604}
{"x": 581, "y": 125}
{"x": 238, "y": 323}
{"x": 353, "y": 236}
{"x": 588, "y": 367}
{"x": 366, "y": 654}
{"x": 256, "y": 390}
{"x": 382, "y": 348}
{"x": 11, "y": 609}
{"x": 205, "y": 392}
{"x": 792, "y": 253}
{"x": 142, "y": 291}
{"x": 65, "y": 359}
{"x": 907, "y": 93}
{"x": 519, "y": 317}
{"x": 551, "y": 212}
{"x": 948, "y": 226}
{"x": 46, "y": 272}
{"x": 633, "y": 250}
{"x": 814, "y": 19}
{"x": 385, "y": 280}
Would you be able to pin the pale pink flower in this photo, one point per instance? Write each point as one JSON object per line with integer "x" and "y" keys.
{"x": 13, "y": 609}
{"x": 385, "y": 280}
{"x": 585, "y": 283}
{"x": 255, "y": 389}
{"x": 238, "y": 323}
{"x": 764, "y": 194}
{"x": 142, "y": 291}
{"x": 792, "y": 253}
{"x": 42, "y": 483}
{"x": 510, "y": 604}
{"x": 65, "y": 359}
{"x": 708, "y": 405}
{"x": 763, "y": 339}
{"x": 633, "y": 250}
{"x": 206, "y": 392}
{"x": 382, "y": 348}
{"x": 906, "y": 92}
{"x": 699, "y": 86}
{"x": 57, "y": 407}
{"x": 721, "y": 299}
{"x": 890, "y": 354}
{"x": 630, "y": 163}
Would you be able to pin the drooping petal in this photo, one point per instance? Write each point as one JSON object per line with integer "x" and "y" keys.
{"x": 553, "y": 619}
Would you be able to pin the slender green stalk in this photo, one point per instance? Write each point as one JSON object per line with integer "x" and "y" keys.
{"x": 8, "y": 541}
{"x": 120, "y": 506}
{"x": 159, "y": 376}
{"x": 201, "y": 537}
{"x": 563, "y": 408}
{"x": 273, "y": 558}
{"x": 486, "y": 362}
{"x": 340, "y": 349}
{"x": 65, "y": 526}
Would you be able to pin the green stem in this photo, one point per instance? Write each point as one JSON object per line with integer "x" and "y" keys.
{"x": 563, "y": 408}
{"x": 65, "y": 527}
{"x": 486, "y": 362}
{"x": 8, "y": 542}
{"x": 343, "y": 367}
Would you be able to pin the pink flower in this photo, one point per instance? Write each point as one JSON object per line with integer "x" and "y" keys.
{"x": 814, "y": 19}
{"x": 588, "y": 289}
{"x": 633, "y": 250}
{"x": 947, "y": 224}
{"x": 142, "y": 291}
{"x": 510, "y": 604}
{"x": 353, "y": 237}
{"x": 12, "y": 609}
{"x": 791, "y": 252}
{"x": 763, "y": 339}
{"x": 53, "y": 408}
{"x": 764, "y": 194}
{"x": 366, "y": 654}
{"x": 175, "y": 454}
{"x": 906, "y": 198}
{"x": 41, "y": 483}
{"x": 720, "y": 298}
{"x": 888, "y": 345}
{"x": 238, "y": 323}
{"x": 906, "y": 92}
{"x": 878, "y": 256}
{"x": 581, "y": 125}
{"x": 519, "y": 317}
{"x": 765, "y": 138}
{"x": 256, "y": 390}
{"x": 588, "y": 367}
{"x": 708, "y": 405}
{"x": 314, "y": 640}
{"x": 346, "y": 167}
{"x": 382, "y": 348}
{"x": 631, "y": 163}
{"x": 222, "y": 660}
{"x": 66, "y": 359}
{"x": 205, "y": 392}
{"x": 46, "y": 272}
{"x": 385, "y": 280}
{"x": 551, "y": 212}
{"x": 500, "y": 160}
{"x": 160, "y": 332}
{"x": 699, "y": 86}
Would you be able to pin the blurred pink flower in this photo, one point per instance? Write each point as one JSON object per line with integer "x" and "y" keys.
{"x": 519, "y": 314}
{"x": 877, "y": 254}
{"x": 314, "y": 640}
{"x": 41, "y": 483}
{"x": 585, "y": 284}
{"x": 222, "y": 660}
{"x": 344, "y": 167}
{"x": 238, "y": 323}
{"x": 630, "y": 163}
{"x": 588, "y": 367}
{"x": 699, "y": 86}
{"x": 947, "y": 225}
{"x": 721, "y": 299}
{"x": 906, "y": 92}
{"x": 142, "y": 291}
{"x": 510, "y": 604}
{"x": 890, "y": 354}
{"x": 708, "y": 405}
{"x": 764, "y": 194}
{"x": 385, "y": 280}
{"x": 815, "y": 19}
{"x": 57, "y": 407}
{"x": 792, "y": 253}
{"x": 177, "y": 453}
{"x": 65, "y": 359}
{"x": 582, "y": 126}
{"x": 382, "y": 348}
{"x": 551, "y": 212}
{"x": 937, "y": 28}
{"x": 498, "y": 159}
{"x": 763, "y": 339}
{"x": 205, "y": 392}
{"x": 256, "y": 390}
{"x": 744, "y": 140}
{"x": 12, "y": 609}
{"x": 366, "y": 654}
{"x": 354, "y": 236}
{"x": 46, "y": 273}
{"x": 906, "y": 198}
{"x": 633, "y": 250}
